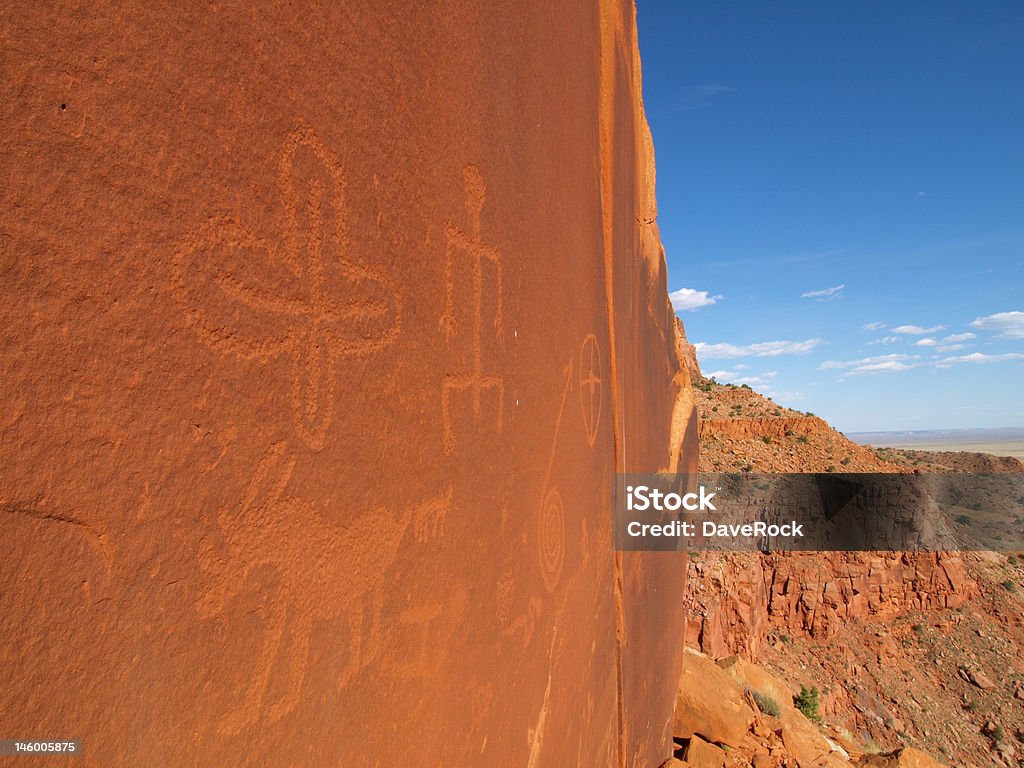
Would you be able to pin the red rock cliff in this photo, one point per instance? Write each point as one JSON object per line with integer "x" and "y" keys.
{"x": 324, "y": 330}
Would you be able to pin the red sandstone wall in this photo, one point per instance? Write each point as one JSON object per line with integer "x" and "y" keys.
{"x": 323, "y": 330}
{"x": 734, "y": 600}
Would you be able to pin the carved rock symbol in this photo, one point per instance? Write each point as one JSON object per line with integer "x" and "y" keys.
{"x": 551, "y": 539}
{"x": 301, "y": 296}
{"x": 590, "y": 386}
{"x": 470, "y": 246}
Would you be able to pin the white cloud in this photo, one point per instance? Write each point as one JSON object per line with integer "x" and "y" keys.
{"x": 825, "y": 294}
{"x": 1010, "y": 325}
{"x": 900, "y": 362}
{"x": 979, "y": 358}
{"x": 694, "y": 97}
{"x": 867, "y": 362}
{"x": 761, "y": 379}
{"x": 917, "y": 330}
{"x": 872, "y": 326}
{"x": 871, "y": 365}
{"x": 951, "y": 347}
{"x": 690, "y": 299}
{"x": 956, "y": 338}
{"x": 925, "y": 342}
{"x": 788, "y": 396}
{"x": 726, "y": 351}
{"x": 885, "y": 340}
{"x": 720, "y": 375}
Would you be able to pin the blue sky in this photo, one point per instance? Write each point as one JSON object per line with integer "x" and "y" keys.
{"x": 841, "y": 199}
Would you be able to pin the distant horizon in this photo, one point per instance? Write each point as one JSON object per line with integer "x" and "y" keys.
{"x": 935, "y": 430}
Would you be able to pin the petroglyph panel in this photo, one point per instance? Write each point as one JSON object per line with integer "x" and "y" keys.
{"x": 301, "y": 295}
{"x": 323, "y": 332}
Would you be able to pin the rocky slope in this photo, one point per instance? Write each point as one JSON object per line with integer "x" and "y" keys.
{"x": 907, "y": 649}
{"x": 944, "y": 461}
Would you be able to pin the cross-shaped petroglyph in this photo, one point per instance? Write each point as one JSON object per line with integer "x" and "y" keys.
{"x": 590, "y": 386}
{"x": 471, "y": 245}
{"x": 301, "y": 296}
{"x": 324, "y": 571}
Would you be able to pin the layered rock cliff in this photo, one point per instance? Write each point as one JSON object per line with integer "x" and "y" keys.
{"x": 735, "y": 601}
{"x": 324, "y": 330}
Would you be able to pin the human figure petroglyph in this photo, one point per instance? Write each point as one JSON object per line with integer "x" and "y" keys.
{"x": 471, "y": 245}
{"x": 324, "y": 571}
{"x": 301, "y": 295}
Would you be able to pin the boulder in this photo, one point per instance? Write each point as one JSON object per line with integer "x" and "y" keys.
{"x": 981, "y": 680}
{"x": 710, "y": 703}
{"x": 803, "y": 740}
{"x": 909, "y": 757}
{"x": 700, "y": 754}
{"x": 754, "y": 678}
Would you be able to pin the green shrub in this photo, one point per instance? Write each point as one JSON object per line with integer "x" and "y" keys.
{"x": 962, "y": 519}
{"x": 1009, "y": 585}
{"x": 767, "y": 440}
{"x": 807, "y": 702}
{"x": 998, "y": 735}
{"x": 846, "y": 460}
{"x": 802, "y": 439}
{"x": 830, "y": 468}
{"x": 971, "y": 706}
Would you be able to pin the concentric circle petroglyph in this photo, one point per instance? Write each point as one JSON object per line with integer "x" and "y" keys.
{"x": 551, "y": 539}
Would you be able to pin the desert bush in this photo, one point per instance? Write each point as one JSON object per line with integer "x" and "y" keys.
{"x": 807, "y": 702}
{"x": 766, "y": 704}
